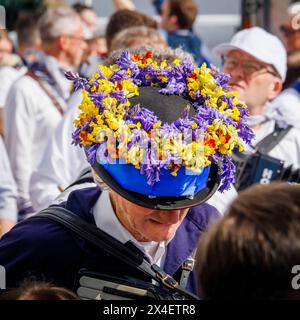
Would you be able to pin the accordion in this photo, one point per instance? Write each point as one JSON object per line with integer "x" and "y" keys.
{"x": 256, "y": 168}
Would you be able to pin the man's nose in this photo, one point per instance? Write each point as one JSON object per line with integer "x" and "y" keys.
{"x": 237, "y": 73}
{"x": 172, "y": 216}
{"x": 84, "y": 45}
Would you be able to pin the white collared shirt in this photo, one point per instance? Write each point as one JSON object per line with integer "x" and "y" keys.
{"x": 107, "y": 221}
{"x": 61, "y": 162}
{"x": 30, "y": 119}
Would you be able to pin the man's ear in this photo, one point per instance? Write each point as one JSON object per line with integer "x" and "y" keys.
{"x": 174, "y": 20}
{"x": 62, "y": 42}
{"x": 275, "y": 89}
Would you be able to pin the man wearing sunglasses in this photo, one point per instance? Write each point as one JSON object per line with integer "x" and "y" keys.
{"x": 256, "y": 62}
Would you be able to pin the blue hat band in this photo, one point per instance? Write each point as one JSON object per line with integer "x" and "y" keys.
{"x": 186, "y": 183}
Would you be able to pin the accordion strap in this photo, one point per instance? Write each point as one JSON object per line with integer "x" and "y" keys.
{"x": 112, "y": 246}
{"x": 53, "y": 99}
{"x": 271, "y": 140}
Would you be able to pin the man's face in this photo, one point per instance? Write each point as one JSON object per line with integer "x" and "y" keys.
{"x": 89, "y": 18}
{"x": 253, "y": 80}
{"x": 147, "y": 224}
{"x": 291, "y": 35}
{"x": 76, "y": 45}
{"x": 5, "y": 47}
{"x": 166, "y": 21}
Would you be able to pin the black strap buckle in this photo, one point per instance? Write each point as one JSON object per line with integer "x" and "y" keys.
{"x": 165, "y": 278}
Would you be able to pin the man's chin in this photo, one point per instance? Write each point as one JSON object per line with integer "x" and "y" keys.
{"x": 162, "y": 236}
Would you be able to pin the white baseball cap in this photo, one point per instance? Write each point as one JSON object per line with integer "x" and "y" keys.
{"x": 260, "y": 44}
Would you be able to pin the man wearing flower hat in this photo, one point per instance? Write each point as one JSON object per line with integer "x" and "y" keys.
{"x": 158, "y": 136}
{"x": 256, "y": 62}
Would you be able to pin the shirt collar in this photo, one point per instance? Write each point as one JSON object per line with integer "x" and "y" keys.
{"x": 107, "y": 221}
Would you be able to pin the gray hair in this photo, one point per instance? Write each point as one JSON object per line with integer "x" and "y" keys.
{"x": 56, "y": 22}
{"x": 146, "y": 36}
{"x": 103, "y": 186}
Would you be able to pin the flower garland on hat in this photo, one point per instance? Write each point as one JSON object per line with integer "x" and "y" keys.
{"x": 218, "y": 126}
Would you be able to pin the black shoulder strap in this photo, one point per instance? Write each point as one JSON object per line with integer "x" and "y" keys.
{"x": 271, "y": 140}
{"x": 104, "y": 241}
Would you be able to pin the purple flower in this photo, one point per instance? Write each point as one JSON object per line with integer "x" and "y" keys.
{"x": 79, "y": 83}
{"x": 91, "y": 154}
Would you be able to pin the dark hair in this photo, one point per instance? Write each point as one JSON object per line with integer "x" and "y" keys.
{"x": 251, "y": 251}
{"x": 79, "y": 7}
{"x": 4, "y": 35}
{"x": 123, "y": 19}
{"x": 27, "y": 29}
{"x": 186, "y": 12}
{"x": 36, "y": 290}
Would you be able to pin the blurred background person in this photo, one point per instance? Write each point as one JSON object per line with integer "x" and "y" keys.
{"x": 290, "y": 30}
{"x": 96, "y": 44}
{"x": 36, "y": 102}
{"x": 251, "y": 251}
{"x": 257, "y": 74}
{"x": 286, "y": 108}
{"x": 28, "y": 37}
{"x": 123, "y": 19}
{"x": 88, "y": 17}
{"x": 93, "y": 56}
{"x": 6, "y": 45}
{"x": 136, "y": 37}
{"x": 8, "y": 193}
{"x": 6, "y": 49}
{"x": 14, "y": 65}
{"x": 177, "y": 19}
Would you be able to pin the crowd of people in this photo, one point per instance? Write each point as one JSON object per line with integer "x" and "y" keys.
{"x": 63, "y": 217}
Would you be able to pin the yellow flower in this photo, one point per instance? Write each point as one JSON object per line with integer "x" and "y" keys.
{"x": 163, "y": 64}
{"x": 157, "y": 124}
{"x": 106, "y": 71}
{"x": 129, "y": 88}
{"x": 177, "y": 62}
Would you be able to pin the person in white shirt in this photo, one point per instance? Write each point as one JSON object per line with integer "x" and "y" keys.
{"x": 8, "y": 193}
{"x": 10, "y": 75}
{"x": 256, "y": 62}
{"x": 61, "y": 163}
{"x": 37, "y": 101}
{"x": 28, "y": 47}
{"x": 286, "y": 107}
